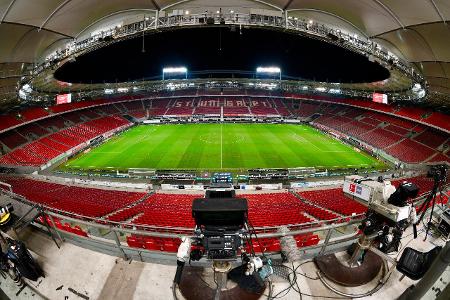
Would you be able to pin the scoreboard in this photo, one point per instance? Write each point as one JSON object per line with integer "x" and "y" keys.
{"x": 222, "y": 178}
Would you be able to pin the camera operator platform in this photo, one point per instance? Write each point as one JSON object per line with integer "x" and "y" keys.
{"x": 221, "y": 233}
{"x": 389, "y": 215}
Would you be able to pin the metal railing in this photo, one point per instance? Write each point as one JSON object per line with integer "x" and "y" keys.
{"x": 111, "y": 237}
{"x": 356, "y": 43}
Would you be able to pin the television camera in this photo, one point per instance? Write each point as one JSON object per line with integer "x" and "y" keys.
{"x": 221, "y": 231}
{"x": 439, "y": 175}
{"x": 388, "y": 211}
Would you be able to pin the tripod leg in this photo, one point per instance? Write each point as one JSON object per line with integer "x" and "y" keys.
{"x": 431, "y": 217}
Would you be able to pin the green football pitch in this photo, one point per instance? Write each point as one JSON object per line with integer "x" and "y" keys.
{"x": 221, "y": 147}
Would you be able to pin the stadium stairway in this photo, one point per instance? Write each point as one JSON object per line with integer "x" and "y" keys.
{"x": 333, "y": 200}
{"x": 119, "y": 213}
{"x": 316, "y": 211}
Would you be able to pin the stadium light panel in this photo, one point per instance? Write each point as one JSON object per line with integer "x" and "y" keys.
{"x": 175, "y": 70}
{"x": 268, "y": 70}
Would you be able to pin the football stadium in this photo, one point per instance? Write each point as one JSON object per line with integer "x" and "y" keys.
{"x": 210, "y": 149}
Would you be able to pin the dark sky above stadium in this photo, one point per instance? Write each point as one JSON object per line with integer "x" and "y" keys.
{"x": 222, "y": 48}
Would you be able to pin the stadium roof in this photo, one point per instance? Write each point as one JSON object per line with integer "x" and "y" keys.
{"x": 417, "y": 30}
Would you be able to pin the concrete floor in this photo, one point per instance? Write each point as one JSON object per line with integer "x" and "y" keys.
{"x": 100, "y": 276}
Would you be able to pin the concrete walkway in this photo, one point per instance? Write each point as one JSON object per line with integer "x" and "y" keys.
{"x": 73, "y": 272}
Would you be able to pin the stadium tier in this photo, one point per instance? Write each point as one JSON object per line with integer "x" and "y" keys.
{"x": 44, "y": 149}
{"x": 75, "y": 123}
{"x": 81, "y": 201}
{"x": 333, "y": 200}
{"x": 174, "y": 210}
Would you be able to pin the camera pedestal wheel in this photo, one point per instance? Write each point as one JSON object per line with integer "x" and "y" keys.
{"x": 333, "y": 269}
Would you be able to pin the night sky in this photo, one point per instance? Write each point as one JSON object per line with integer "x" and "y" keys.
{"x": 221, "y": 48}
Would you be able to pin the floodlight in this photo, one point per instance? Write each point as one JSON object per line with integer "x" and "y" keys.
{"x": 268, "y": 70}
{"x": 174, "y": 70}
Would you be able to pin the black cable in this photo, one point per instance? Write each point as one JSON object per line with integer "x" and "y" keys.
{"x": 296, "y": 282}
{"x": 214, "y": 278}
{"x": 298, "y": 273}
{"x": 252, "y": 229}
{"x": 250, "y": 243}
{"x": 286, "y": 290}
{"x": 291, "y": 286}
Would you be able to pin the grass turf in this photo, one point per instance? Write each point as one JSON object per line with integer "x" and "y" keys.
{"x": 221, "y": 146}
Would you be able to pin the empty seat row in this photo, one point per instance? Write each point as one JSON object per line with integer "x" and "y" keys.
{"x": 82, "y": 201}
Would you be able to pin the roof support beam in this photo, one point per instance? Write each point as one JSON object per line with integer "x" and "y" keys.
{"x": 390, "y": 12}
{"x": 287, "y": 5}
{"x": 7, "y": 11}
{"x": 424, "y": 40}
{"x": 53, "y": 13}
{"x": 258, "y": 1}
{"x": 406, "y": 27}
{"x": 438, "y": 11}
{"x": 33, "y": 26}
{"x": 155, "y": 4}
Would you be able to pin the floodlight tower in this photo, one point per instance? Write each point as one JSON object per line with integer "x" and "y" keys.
{"x": 268, "y": 70}
{"x": 174, "y": 70}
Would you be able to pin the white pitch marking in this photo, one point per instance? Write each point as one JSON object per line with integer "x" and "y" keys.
{"x": 221, "y": 146}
